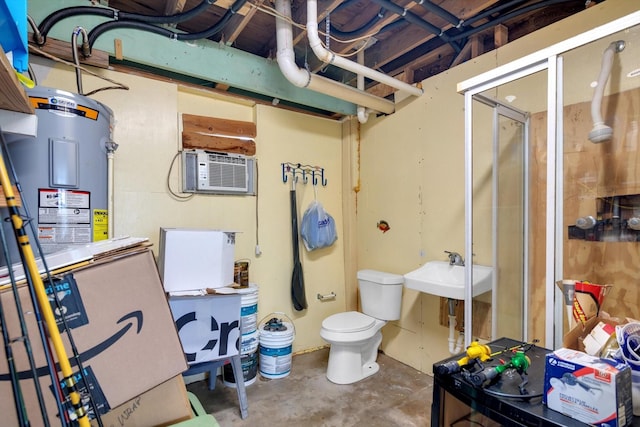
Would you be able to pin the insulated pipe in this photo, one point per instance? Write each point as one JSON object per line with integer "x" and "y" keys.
{"x": 600, "y": 131}
{"x": 98, "y": 30}
{"x": 331, "y": 58}
{"x": 417, "y": 20}
{"x": 365, "y": 29}
{"x": 442, "y": 13}
{"x": 55, "y": 17}
{"x": 500, "y": 19}
{"x": 305, "y": 79}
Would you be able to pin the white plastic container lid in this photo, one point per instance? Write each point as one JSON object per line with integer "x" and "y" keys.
{"x": 380, "y": 277}
{"x": 350, "y": 321}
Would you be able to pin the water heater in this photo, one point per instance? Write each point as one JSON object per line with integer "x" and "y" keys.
{"x": 63, "y": 170}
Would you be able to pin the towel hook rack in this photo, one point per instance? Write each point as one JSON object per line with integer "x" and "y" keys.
{"x": 295, "y": 170}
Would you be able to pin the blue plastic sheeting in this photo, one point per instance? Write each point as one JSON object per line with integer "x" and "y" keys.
{"x": 13, "y": 32}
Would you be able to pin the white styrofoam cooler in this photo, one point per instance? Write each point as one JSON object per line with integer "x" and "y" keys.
{"x": 192, "y": 259}
{"x": 208, "y": 326}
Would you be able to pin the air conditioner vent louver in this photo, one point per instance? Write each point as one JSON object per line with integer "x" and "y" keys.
{"x": 221, "y": 173}
{"x": 226, "y": 172}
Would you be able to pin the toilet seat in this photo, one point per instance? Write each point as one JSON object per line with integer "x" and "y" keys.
{"x": 348, "y": 322}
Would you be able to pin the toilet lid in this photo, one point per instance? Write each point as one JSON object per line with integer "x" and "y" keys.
{"x": 350, "y": 321}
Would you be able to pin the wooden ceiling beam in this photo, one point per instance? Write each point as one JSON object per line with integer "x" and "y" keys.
{"x": 240, "y": 26}
{"x": 173, "y": 7}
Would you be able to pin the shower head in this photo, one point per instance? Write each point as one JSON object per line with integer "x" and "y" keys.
{"x": 601, "y": 132}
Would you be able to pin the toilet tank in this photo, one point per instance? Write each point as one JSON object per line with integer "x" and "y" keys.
{"x": 380, "y": 294}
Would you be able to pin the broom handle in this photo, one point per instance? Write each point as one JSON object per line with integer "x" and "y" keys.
{"x": 43, "y": 301}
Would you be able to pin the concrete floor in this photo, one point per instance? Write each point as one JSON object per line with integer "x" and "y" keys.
{"x": 397, "y": 395}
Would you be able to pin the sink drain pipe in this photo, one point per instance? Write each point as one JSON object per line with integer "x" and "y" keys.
{"x": 454, "y": 346}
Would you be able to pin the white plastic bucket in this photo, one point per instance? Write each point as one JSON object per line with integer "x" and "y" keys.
{"x": 248, "y": 309}
{"x": 249, "y": 343}
{"x": 249, "y": 359}
{"x": 276, "y": 344}
{"x": 249, "y": 370}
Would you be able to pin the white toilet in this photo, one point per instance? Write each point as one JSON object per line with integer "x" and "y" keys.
{"x": 354, "y": 336}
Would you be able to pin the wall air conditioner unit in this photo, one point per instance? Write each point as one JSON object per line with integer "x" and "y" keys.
{"x": 217, "y": 173}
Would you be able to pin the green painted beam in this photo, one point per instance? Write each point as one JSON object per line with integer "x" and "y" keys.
{"x": 202, "y": 59}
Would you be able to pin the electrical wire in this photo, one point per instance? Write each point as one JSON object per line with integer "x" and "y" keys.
{"x": 55, "y": 58}
{"x": 177, "y": 196}
{"x": 271, "y": 11}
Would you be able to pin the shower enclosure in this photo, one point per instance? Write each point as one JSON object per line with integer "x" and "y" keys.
{"x": 531, "y": 172}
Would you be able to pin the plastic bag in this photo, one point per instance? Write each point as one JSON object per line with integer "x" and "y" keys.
{"x": 318, "y": 228}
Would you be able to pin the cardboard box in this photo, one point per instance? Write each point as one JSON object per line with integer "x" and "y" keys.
{"x": 574, "y": 339}
{"x": 196, "y": 259}
{"x": 164, "y": 405}
{"x": 587, "y": 388}
{"x": 208, "y": 326}
{"x": 122, "y": 328}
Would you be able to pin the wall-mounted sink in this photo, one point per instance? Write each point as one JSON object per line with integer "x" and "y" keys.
{"x": 442, "y": 279}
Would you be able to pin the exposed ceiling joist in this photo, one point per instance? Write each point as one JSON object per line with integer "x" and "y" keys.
{"x": 413, "y": 39}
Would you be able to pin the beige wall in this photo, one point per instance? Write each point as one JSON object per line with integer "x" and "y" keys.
{"x": 412, "y": 172}
{"x": 147, "y": 131}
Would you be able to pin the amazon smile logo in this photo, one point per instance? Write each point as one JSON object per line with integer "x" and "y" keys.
{"x": 130, "y": 320}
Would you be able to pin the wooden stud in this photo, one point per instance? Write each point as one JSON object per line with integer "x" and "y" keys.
{"x": 500, "y": 35}
{"x": 117, "y": 47}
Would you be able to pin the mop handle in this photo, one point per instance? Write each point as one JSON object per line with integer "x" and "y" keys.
{"x": 43, "y": 301}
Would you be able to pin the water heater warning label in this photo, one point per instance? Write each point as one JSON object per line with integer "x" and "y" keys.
{"x": 64, "y": 216}
{"x": 100, "y": 224}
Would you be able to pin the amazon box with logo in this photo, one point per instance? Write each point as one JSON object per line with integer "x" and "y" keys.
{"x": 122, "y": 330}
{"x": 590, "y": 389}
{"x": 208, "y": 326}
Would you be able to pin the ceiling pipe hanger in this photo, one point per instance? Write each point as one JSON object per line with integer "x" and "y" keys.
{"x": 329, "y": 57}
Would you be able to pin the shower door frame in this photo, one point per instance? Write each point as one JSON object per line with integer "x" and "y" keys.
{"x": 501, "y": 109}
{"x": 546, "y": 59}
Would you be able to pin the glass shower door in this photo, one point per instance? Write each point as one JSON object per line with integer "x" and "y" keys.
{"x": 510, "y": 223}
{"x": 500, "y": 215}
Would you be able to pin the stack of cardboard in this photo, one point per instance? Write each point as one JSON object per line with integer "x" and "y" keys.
{"x": 124, "y": 333}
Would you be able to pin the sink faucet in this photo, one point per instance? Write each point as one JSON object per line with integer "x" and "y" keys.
{"x": 454, "y": 258}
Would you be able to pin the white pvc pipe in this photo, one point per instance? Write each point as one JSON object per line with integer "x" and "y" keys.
{"x": 110, "y": 203}
{"x": 331, "y": 58}
{"x": 454, "y": 346}
{"x": 303, "y": 78}
{"x": 363, "y": 113}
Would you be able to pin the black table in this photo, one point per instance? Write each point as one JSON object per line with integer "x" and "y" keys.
{"x": 457, "y": 402}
